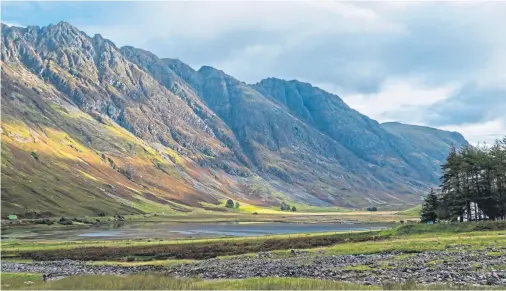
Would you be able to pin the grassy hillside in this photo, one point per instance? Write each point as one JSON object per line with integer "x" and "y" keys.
{"x": 414, "y": 211}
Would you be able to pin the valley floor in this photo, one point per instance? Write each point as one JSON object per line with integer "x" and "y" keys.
{"x": 463, "y": 256}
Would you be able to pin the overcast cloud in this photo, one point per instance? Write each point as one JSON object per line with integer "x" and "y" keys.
{"x": 437, "y": 64}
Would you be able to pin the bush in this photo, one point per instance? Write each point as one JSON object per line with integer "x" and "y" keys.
{"x": 65, "y": 221}
{"x": 237, "y": 205}
{"x": 130, "y": 259}
{"x": 284, "y": 206}
{"x": 294, "y": 209}
{"x": 35, "y": 156}
{"x": 372, "y": 208}
{"x": 119, "y": 217}
{"x": 44, "y": 221}
{"x": 230, "y": 203}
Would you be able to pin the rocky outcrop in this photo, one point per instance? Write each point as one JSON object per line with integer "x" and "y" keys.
{"x": 264, "y": 143}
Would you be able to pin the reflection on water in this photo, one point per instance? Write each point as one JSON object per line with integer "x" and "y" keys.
{"x": 121, "y": 230}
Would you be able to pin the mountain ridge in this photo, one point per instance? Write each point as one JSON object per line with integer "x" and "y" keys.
{"x": 203, "y": 135}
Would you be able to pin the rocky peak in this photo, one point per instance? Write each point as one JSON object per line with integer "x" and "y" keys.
{"x": 302, "y": 140}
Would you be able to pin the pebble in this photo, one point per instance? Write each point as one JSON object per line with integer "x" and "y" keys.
{"x": 445, "y": 266}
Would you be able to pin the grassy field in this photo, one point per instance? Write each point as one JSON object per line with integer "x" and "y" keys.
{"x": 406, "y": 238}
{"x": 415, "y": 211}
{"x": 26, "y": 281}
{"x": 244, "y": 214}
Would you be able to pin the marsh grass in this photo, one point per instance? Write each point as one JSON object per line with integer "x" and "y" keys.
{"x": 407, "y": 239}
{"x": 200, "y": 250}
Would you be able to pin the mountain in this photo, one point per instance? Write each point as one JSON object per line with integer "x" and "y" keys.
{"x": 430, "y": 142}
{"x": 90, "y": 128}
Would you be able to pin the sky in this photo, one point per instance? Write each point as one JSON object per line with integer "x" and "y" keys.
{"x": 438, "y": 64}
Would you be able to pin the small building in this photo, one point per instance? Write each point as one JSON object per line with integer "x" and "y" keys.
{"x": 12, "y": 217}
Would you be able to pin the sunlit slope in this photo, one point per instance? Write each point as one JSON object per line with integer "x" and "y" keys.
{"x": 57, "y": 159}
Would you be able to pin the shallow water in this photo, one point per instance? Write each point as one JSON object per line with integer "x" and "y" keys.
{"x": 183, "y": 230}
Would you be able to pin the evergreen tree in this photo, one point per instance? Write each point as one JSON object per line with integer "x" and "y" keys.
{"x": 430, "y": 208}
{"x": 453, "y": 203}
{"x": 474, "y": 183}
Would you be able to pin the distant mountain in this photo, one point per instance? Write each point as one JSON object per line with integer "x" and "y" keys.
{"x": 91, "y": 128}
{"x": 430, "y": 142}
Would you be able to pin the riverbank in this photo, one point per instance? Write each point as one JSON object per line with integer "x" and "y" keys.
{"x": 226, "y": 215}
{"x": 71, "y": 228}
{"x": 461, "y": 256}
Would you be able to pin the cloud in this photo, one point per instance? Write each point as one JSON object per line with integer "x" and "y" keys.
{"x": 471, "y": 103}
{"x": 401, "y": 99}
{"x": 480, "y": 132}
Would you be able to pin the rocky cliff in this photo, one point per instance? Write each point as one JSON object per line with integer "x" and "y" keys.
{"x": 88, "y": 127}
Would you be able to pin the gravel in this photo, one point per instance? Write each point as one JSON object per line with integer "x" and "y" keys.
{"x": 453, "y": 265}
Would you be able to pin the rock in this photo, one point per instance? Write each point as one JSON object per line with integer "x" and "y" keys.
{"x": 210, "y": 118}
{"x": 311, "y": 266}
{"x": 492, "y": 281}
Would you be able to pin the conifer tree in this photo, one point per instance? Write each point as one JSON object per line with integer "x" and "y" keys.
{"x": 430, "y": 208}
{"x": 473, "y": 184}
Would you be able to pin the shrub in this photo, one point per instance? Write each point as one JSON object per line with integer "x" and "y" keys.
{"x": 294, "y": 209}
{"x": 130, "y": 259}
{"x": 230, "y": 203}
{"x": 285, "y": 207}
{"x": 65, "y": 221}
{"x": 35, "y": 156}
{"x": 44, "y": 221}
{"x": 237, "y": 205}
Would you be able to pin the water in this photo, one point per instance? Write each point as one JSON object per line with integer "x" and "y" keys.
{"x": 165, "y": 230}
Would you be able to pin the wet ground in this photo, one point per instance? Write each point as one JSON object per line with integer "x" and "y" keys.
{"x": 164, "y": 230}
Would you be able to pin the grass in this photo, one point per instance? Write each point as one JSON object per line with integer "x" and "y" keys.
{"x": 154, "y": 282}
{"x": 416, "y": 244}
{"x": 19, "y": 280}
{"x": 415, "y": 211}
{"x": 201, "y": 249}
{"x": 402, "y": 257}
{"x": 15, "y": 246}
{"x": 405, "y": 238}
{"x": 359, "y": 268}
{"x": 410, "y": 229}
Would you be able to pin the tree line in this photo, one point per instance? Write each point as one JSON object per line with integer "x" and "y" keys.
{"x": 473, "y": 185}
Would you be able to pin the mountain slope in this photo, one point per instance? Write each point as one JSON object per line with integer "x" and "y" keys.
{"x": 91, "y": 128}
{"x": 430, "y": 142}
